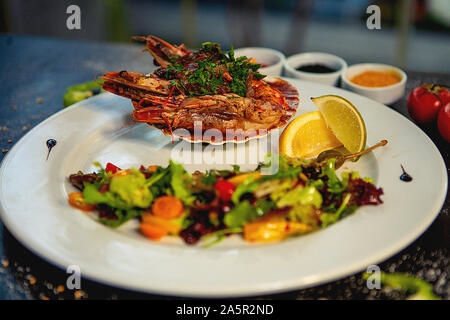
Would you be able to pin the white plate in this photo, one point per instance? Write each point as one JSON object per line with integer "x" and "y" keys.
{"x": 33, "y": 197}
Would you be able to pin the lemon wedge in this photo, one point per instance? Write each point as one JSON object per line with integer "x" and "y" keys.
{"x": 344, "y": 120}
{"x": 307, "y": 136}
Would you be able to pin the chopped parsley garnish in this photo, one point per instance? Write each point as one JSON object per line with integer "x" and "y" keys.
{"x": 210, "y": 71}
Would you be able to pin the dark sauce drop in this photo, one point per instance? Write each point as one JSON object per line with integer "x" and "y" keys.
{"x": 405, "y": 177}
{"x": 50, "y": 144}
{"x": 316, "y": 68}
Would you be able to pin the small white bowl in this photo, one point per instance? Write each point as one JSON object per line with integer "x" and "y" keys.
{"x": 272, "y": 58}
{"x": 385, "y": 95}
{"x": 301, "y": 59}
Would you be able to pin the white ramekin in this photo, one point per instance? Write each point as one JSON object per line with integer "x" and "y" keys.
{"x": 301, "y": 59}
{"x": 385, "y": 95}
{"x": 272, "y": 58}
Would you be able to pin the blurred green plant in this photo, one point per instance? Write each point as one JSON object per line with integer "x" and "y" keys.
{"x": 81, "y": 91}
{"x": 117, "y": 21}
{"x": 417, "y": 288}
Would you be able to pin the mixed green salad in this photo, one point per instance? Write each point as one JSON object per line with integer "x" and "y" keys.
{"x": 301, "y": 197}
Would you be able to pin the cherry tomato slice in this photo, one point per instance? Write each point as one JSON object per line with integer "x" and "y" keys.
{"x": 225, "y": 189}
{"x": 77, "y": 200}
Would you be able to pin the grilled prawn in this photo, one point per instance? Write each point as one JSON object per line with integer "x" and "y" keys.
{"x": 206, "y": 86}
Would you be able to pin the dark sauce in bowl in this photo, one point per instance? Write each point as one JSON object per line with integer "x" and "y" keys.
{"x": 316, "y": 68}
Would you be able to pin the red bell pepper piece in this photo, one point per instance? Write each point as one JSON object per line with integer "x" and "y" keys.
{"x": 112, "y": 168}
{"x": 225, "y": 189}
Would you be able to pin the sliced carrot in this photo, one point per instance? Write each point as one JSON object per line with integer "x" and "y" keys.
{"x": 77, "y": 200}
{"x": 167, "y": 207}
{"x": 172, "y": 228}
{"x": 152, "y": 168}
{"x": 153, "y": 231}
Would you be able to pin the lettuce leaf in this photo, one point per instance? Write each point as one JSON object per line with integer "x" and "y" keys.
{"x": 132, "y": 189}
{"x": 304, "y": 214}
{"x": 283, "y": 187}
{"x": 249, "y": 185}
{"x": 179, "y": 183}
{"x": 122, "y": 217}
{"x": 125, "y": 192}
{"x": 93, "y": 196}
{"x": 333, "y": 183}
{"x": 330, "y": 218}
{"x": 242, "y": 213}
{"x": 301, "y": 196}
{"x": 219, "y": 236}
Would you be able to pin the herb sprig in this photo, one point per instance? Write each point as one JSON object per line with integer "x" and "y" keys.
{"x": 210, "y": 71}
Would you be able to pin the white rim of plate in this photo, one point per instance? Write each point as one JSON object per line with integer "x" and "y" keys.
{"x": 234, "y": 291}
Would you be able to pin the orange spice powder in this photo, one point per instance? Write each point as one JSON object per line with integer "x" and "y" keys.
{"x": 375, "y": 79}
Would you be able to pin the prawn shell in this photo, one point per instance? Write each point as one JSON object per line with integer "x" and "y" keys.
{"x": 289, "y": 92}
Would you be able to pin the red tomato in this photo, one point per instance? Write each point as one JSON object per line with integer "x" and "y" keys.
{"x": 424, "y": 102}
{"x": 225, "y": 189}
{"x": 444, "y": 93}
{"x": 443, "y": 122}
{"x": 111, "y": 168}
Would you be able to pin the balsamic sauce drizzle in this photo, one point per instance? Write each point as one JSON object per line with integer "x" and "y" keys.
{"x": 405, "y": 177}
{"x": 316, "y": 68}
{"x": 50, "y": 144}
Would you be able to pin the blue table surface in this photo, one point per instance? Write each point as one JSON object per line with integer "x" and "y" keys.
{"x": 35, "y": 72}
